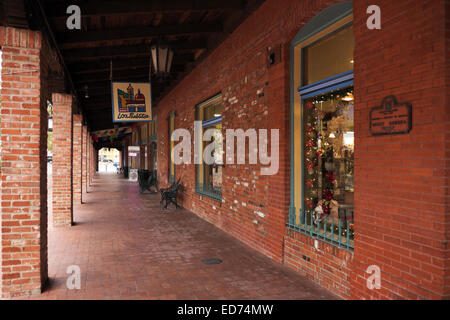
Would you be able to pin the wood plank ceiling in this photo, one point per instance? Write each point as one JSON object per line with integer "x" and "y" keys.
{"x": 123, "y": 31}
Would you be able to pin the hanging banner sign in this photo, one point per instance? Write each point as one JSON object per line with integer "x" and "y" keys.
{"x": 132, "y": 101}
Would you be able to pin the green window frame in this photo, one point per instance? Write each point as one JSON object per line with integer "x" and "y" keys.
{"x": 328, "y": 21}
{"x": 210, "y": 113}
{"x": 171, "y": 146}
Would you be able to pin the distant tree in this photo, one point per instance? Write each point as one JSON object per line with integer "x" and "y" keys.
{"x": 49, "y": 140}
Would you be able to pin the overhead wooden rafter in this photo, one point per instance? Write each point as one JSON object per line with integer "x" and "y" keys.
{"x": 123, "y": 32}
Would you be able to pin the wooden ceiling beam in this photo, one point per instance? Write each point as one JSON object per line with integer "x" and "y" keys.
{"x": 120, "y": 7}
{"x": 123, "y": 64}
{"x": 83, "y": 36}
{"x": 126, "y": 75}
{"x": 134, "y": 50}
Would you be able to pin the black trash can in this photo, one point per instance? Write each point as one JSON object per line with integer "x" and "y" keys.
{"x": 144, "y": 180}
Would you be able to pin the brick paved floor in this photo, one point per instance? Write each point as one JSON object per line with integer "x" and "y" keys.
{"x": 128, "y": 248}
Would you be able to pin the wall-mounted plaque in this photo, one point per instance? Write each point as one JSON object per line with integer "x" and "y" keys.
{"x": 391, "y": 117}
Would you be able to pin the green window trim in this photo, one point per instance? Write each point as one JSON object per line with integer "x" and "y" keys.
{"x": 326, "y": 19}
{"x": 200, "y": 187}
{"x": 171, "y": 146}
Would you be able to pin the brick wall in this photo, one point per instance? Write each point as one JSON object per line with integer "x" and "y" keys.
{"x": 88, "y": 161}
{"x": 84, "y": 161}
{"x": 447, "y": 156}
{"x": 76, "y": 167}
{"x": 62, "y": 160}
{"x": 24, "y": 140}
{"x": 400, "y": 184}
{"x": 254, "y": 207}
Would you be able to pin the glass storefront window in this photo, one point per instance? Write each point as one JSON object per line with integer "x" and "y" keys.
{"x": 329, "y": 56}
{"x": 171, "y": 146}
{"x": 212, "y": 174}
{"x": 212, "y": 110}
{"x": 209, "y": 176}
{"x": 329, "y": 162}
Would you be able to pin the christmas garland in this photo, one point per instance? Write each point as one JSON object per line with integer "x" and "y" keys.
{"x": 316, "y": 147}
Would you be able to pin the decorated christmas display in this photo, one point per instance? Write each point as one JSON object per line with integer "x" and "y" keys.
{"x": 328, "y": 162}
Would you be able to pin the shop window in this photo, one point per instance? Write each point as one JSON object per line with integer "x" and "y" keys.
{"x": 323, "y": 132}
{"x": 151, "y": 145}
{"x": 209, "y": 176}
{"x": 171, "y": 163}
{"x": 329, "y": 56}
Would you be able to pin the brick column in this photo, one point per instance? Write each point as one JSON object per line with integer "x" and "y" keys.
{"x": 83, "y": 160}
{"x": 88, "y": 161}
{"x": 77, "y": 157}
{"x": 62, "y": 159}
{"x": 91, "y": 160}
{"x": 23, "y": 205}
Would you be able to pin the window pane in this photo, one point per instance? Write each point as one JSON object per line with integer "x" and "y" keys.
{"x": 329, "y": 162}
{"x": 329, "y": 56}
{"x": 172, "y": 164}
{"x": 212, "y": 110}
{"x": 212, "y": 174}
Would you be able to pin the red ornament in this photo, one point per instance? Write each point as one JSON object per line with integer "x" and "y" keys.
{"x": 330, "y": 177}
{"x": 327, "y": 195}
{"x": 309, "y": 104}
{"x": 326, "y": 209}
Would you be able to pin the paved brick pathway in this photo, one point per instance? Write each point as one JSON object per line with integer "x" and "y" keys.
{"x": 128, "y": 248}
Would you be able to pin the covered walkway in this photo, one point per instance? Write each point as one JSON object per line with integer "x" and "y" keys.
{"x": 128, "y": 248}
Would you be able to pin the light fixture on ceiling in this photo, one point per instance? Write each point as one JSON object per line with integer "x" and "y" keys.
{"x": 348, "y": 97}
{"x": 162, "y": 57}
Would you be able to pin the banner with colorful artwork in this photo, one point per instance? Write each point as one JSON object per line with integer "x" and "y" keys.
{"x": 132, "y": 101}
{"x": 111, "y": 134}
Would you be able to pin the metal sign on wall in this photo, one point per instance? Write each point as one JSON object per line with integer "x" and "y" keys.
{"x": 131, "y": 101}
{"x": 391, "y": 117}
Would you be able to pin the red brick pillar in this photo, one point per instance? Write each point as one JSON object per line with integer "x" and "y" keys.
{"x": 88, "y": 159}
{"x": 84, "y": 160}
{"x": 96, "y": 160}
{"x": 62, "y": 159}
{"x": 88, "y": 167}
{"x": 125, "y": 151}
{"x": 91, "y": 162}
{"x": 23, "y": 205}
{"x": 77, "y": 157}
